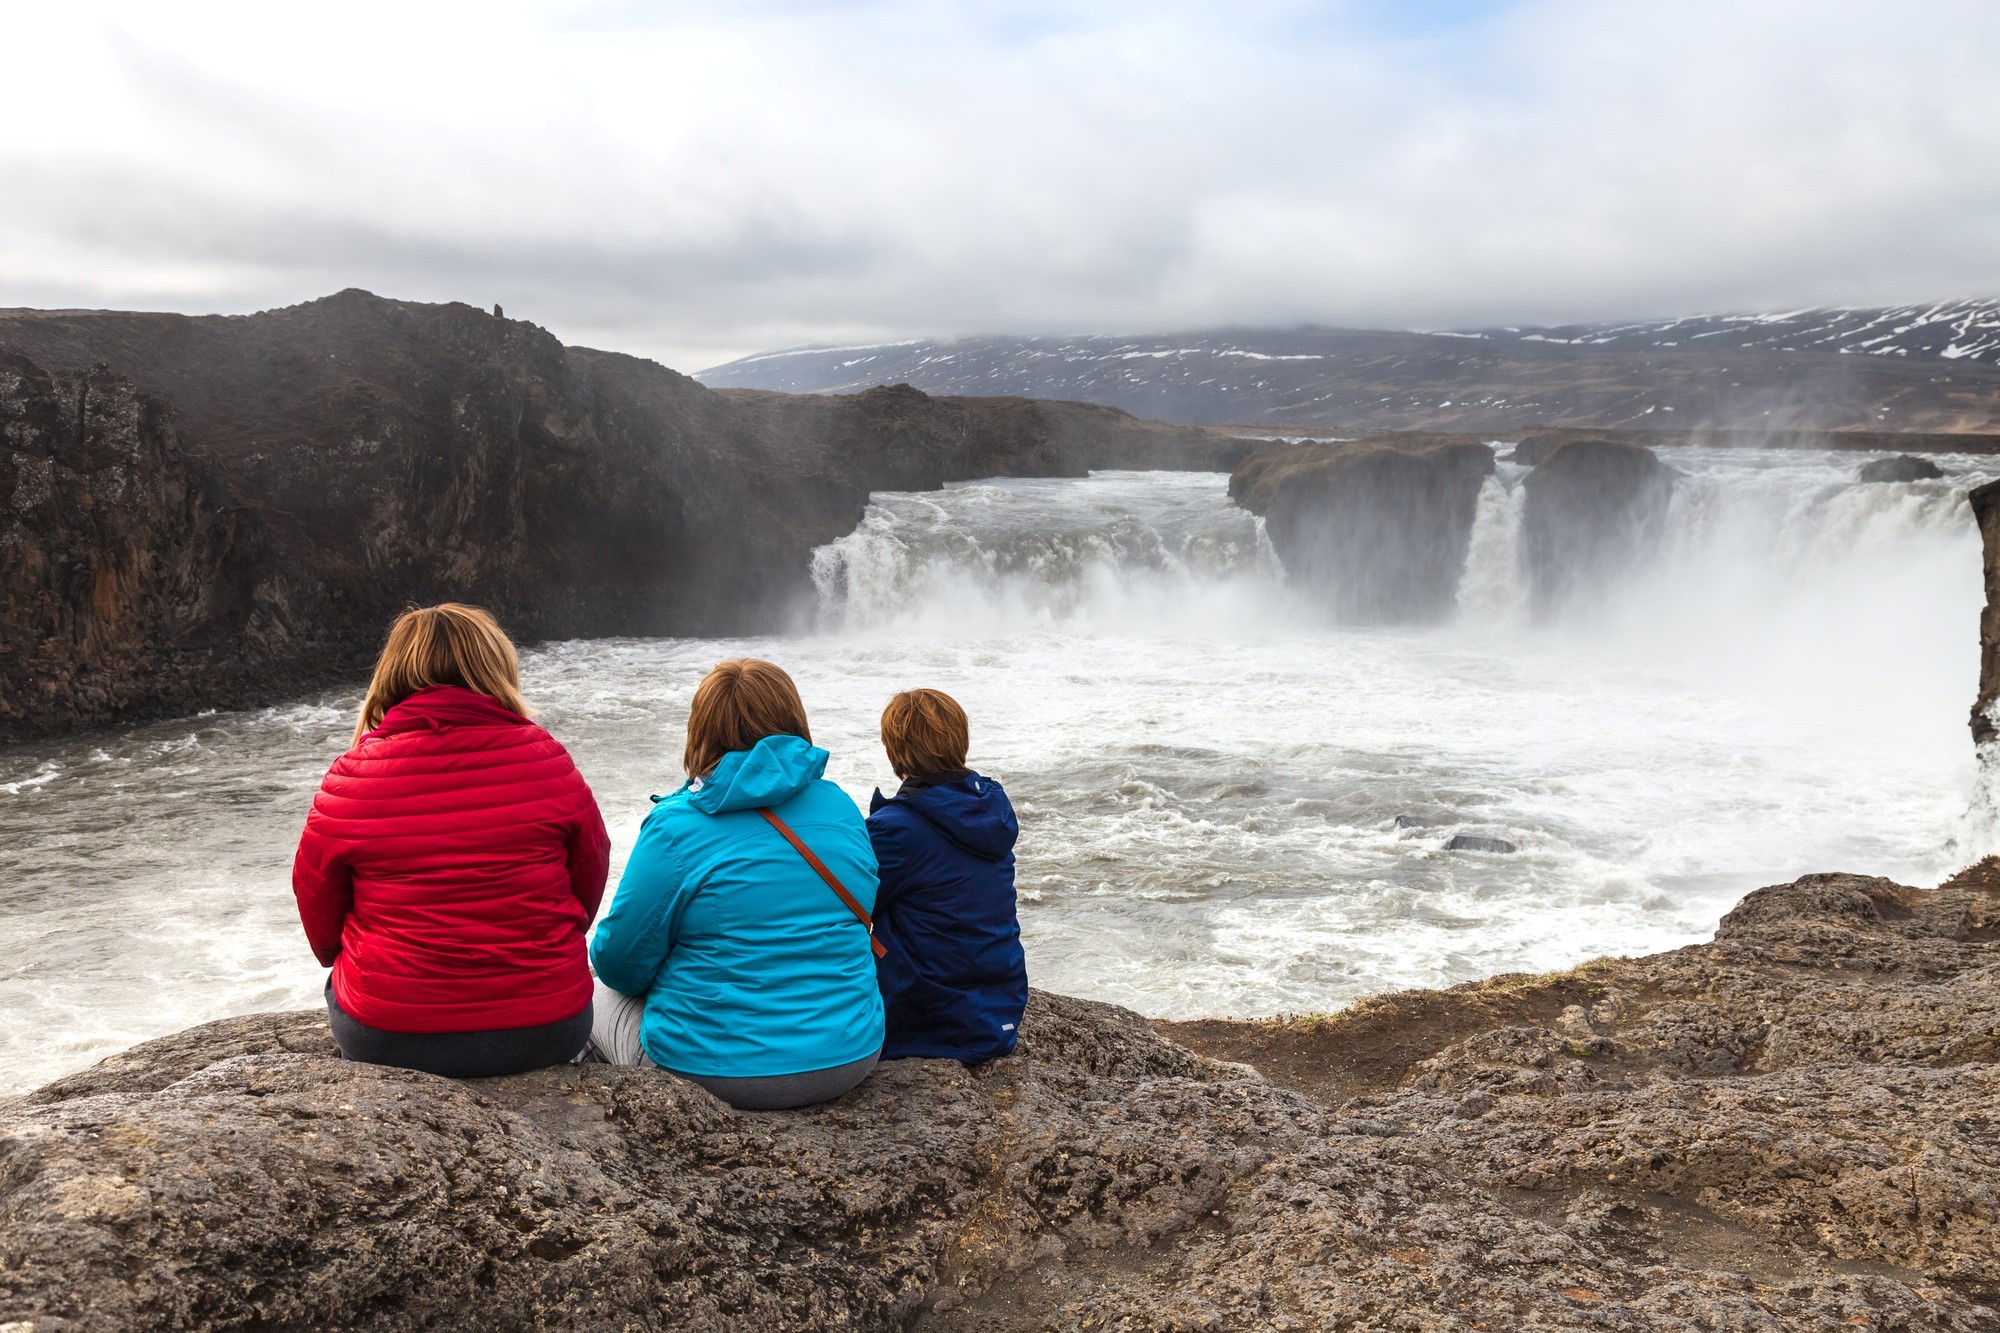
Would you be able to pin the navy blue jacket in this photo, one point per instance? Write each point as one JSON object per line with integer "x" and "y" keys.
{"x": 954, "y": 980}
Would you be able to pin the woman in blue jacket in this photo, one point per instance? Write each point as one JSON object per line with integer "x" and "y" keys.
{"x": 727, "y": 956}
{"x": 953, "y": 977}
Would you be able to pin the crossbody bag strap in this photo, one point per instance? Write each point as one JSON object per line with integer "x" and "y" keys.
{"x": 832, "y": 880}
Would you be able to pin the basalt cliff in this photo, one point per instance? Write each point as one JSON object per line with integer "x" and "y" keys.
{"x": 203, "y": 511}
{"x": 1792, "y": 1127}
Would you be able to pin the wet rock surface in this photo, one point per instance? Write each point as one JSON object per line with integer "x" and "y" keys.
{"x": 384, "y": 452}
{"x": 1792, "y": 1127}
{"x": 1595, "y": 512}
{"x": 1479, "y": 842}
{"x": 1378, "y": 528}
{"x": 1903, "y": 467}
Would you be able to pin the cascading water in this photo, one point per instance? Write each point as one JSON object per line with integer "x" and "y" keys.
{"x": 1208, "y": 775}
{"x": 1493, "y": 589}
{"x": 1127, "y": 551}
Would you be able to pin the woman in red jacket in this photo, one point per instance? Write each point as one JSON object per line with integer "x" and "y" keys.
{"x": 451, "y": 863}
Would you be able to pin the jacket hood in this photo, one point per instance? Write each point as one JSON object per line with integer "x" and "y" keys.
{"x": 438, "y": 706}
{"x": 770, "y": 772}
{"x": 973, "y": 812}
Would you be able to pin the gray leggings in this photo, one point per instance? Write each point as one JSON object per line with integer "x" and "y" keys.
{"x": 614, "y": 1039}
{"x": 486, "y": 1054}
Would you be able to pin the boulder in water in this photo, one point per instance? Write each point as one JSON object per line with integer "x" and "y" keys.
{"x": 1479, "y": 842}
{"x": 1903, "y": 467}
{"x": 1595, "y": 512}
{"x": 1376, "y": 528}
{"x": 1416, "y": 821}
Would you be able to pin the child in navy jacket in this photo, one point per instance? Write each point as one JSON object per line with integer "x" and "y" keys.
{"x": 954, "y": 980}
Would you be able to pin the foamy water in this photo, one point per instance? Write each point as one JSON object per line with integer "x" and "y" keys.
{"x": 1207, "y": 775}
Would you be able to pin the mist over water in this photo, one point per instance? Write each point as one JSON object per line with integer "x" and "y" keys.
{"x": 1207, "y": 771}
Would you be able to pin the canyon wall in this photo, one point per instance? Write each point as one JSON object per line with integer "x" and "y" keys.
{"x": 282, "y": 484}
{"x": 1986, "y": 510}
{"x": 119, "y": 554}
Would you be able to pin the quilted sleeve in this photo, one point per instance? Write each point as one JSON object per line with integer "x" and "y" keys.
{"x": 589, "y": 852}
{"x": 323, "y": 883}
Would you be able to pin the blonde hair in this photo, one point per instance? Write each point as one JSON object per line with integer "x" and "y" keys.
{"x": 446, "y": 644}
{"x": 925, "y": 733}
{"x": 736, "y": 705}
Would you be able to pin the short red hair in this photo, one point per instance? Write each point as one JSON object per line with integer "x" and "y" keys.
{"x": 736, "y": 705}
{"x": 925, "y": 733}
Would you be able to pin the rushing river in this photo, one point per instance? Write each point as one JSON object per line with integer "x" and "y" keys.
{"x": 1208, "y": 777}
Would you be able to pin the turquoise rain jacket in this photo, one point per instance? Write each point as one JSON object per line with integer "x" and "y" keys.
{"x": 751, "y": 966}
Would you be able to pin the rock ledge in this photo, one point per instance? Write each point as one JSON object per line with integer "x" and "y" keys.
{"x": 1790, "y": 1127}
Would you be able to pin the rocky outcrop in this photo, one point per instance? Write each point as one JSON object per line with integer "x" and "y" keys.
{"x": 1535, "y": 447}
{"x": 1805, "y": 1104}
{"x": 1790, "y": 1127}
{"x": 385, "y": 452}
{"x": 126, "y": 575}
{"x": 1377, "y": 528}
{"x": 1595, "y": 513}
{"x": 1903, "y": 467}
{"x": 1985, "y": 502}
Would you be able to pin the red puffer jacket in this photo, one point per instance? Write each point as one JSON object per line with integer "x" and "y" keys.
{"x": 451, "y": 863}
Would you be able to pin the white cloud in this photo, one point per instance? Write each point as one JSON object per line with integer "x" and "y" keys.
{"x": 697, "y": 179}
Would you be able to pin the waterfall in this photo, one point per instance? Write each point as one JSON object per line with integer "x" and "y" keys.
{"x": 1492, "y": 589}
{"x": 1768, "y": 559}
{"x": 1125, "y": 549}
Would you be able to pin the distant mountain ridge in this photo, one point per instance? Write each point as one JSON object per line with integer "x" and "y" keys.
{"x": 1922, "y": 368}
{"x": 1949, "y": 330}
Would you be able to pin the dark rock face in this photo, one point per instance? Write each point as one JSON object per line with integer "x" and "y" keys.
{"x": 1534, "y": 448}
{"x": 1787, "y": 1128}
{"x": 1903, "y": 467}
{"x": 1986, "y": 510}
{"x": 1595, "y": 513}
{"x": 1378, "y": 528}
{"x": 386, "y": 452}
{"x": 125, "y": 573}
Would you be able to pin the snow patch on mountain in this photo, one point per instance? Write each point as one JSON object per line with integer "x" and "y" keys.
{"x": 1966, "y": 330}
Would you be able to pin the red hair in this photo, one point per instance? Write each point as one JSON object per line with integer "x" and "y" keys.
{"x": 736, "y": 705}
{"x": 925, "y": 733}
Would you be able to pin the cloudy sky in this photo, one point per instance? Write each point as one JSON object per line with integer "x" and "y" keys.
{"x": 701, "y": 179}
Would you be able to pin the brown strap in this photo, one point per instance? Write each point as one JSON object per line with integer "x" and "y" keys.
{"x": 832, "y": 881}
